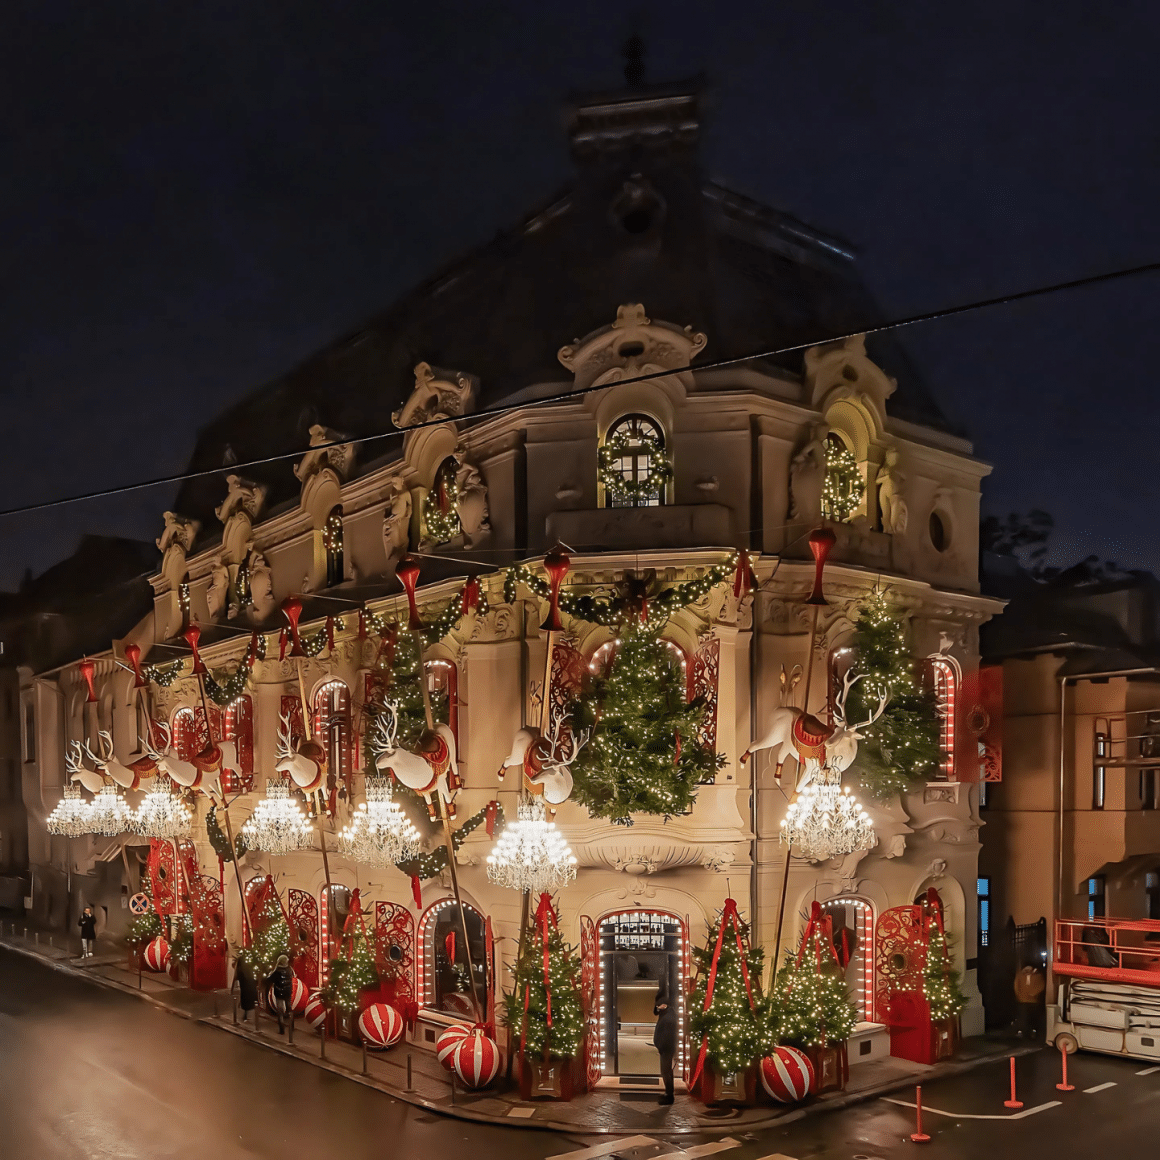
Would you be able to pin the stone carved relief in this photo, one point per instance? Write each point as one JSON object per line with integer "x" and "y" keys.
{"x": 179, "y": 532}
{"x": 397, "y": 521}
{"x": 243, "y": 496}
{"x": 340, "y": 459}
{"x": 472, "y": 501}
{"x": 891, "y": 500}
{"x": 217, "y": 595}
{"x": 437, "y": 394}
{"x": 807, "y": 477}
{"x": 261, "y": 585}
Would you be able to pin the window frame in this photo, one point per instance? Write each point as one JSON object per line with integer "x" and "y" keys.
{"x": 625, "y": 422}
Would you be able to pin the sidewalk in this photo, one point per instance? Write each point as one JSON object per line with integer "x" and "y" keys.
{"x": 413, "y": 1075}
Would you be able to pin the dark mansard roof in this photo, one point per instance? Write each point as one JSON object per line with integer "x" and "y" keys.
{"x": 640, "y": 223}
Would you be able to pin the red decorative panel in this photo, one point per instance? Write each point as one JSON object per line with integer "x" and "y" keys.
{"x": 568, "y": 669}
{"x": 238, "y": 727}
{"x": 162, "y": 868}
{"x": 303, "y": 925}
{"x": 259, "y": 891}
{"x": 292, "y": 706}
{"x": 899, "y": 957}
{"x": 395, "y": 949}
{"x": 333, "y": 730}
{"x": 443, "y": 677}
{"x": 979, "y": 737}
{"x": 589, "y": 997}
{"x": 207, "y": 970}
{"x": 705, "y": 680}
{"x": 191, "y": 732}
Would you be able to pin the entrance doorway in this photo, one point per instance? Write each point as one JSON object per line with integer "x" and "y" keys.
{"x": 641, "y": 954}
{"x": 853, "y": 931}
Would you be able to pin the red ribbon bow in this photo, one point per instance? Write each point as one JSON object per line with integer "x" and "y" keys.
{"x": 546, "y": 913}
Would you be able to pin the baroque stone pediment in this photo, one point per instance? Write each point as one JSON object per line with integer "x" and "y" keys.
{"x": 437, "y": 394}
{"x": 243, "y": 496}
{"x": 323, "y": 454}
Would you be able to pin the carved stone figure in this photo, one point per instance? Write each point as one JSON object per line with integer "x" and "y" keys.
{"x": 472, "y": 502}
{"x": 339, "y": 459}
{"x": 397, "y": 522}
{"x": 178, "y": 530}
{"x": 807, "y": 477}
{"x": 436, "y": 396}
{"x": 261, "y": 585}
{"x": 242, "y": 496}
{"x": 218, "y": 593}
{"x": 891, "y": 502}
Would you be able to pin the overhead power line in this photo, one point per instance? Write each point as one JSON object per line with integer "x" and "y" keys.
{"x": 564, "y": 396}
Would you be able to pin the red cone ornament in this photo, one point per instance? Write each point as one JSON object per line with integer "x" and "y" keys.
{"x": 192, "y": 635}
{"x": 556, "y": 564}
{"x": 292, "y": 610}
{"x": 787, "y": 1075}
{"x": 476, "y": 1059}
{"x": 133, "y": 656}
{"x": 87, "y": 670}
{"x": 448, "y": 1041}
{"x": 407, "y": 571}
{"x": 822, "y": 542}
{"x": 380, "y": 1025}
{"x": 157, "y": 955}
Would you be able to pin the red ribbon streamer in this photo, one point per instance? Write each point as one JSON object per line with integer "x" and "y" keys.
{"x": 330, "y": 633}
{"x": 449, "y": 947}
{"x": 407, "y": 571}
{"x": 283, "y": 636}
{"x": 192, "y": 635}
{"x": 489, "y": 817}
{"x": 743, "y": 579}
{"x": 417, "y": 891}
{"x": 545, "y": 914}
{"x": 469, "y": 601}
{"x": 292, "y": 610}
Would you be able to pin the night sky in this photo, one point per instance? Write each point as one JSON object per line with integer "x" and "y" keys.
{"x": 196, "y": 196}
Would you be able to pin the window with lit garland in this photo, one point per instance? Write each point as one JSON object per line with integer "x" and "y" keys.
{"x": 441, "y": 507}
{"x": 844, "y": 487}
{"x": 634, "y": 468}
{"x": 332, "y": 543}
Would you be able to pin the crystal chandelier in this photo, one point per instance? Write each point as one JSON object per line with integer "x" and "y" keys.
{"x": 109, "y": 814}
{"x": 163, "y": 814}
{"x": 531, "y": 854}
{"x": 826, "y": 820}
{"x": 379, "y": 834}
{"x": 70, "y": 817}
{"x": 278, "y": 824}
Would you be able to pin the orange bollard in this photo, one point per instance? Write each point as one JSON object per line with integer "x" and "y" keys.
{"x": 1012, "y": 1102}
{"x": 918, "y": 1136}
{"x": 1065, "y": 1086}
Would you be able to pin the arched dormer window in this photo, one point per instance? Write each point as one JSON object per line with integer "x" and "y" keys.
{"x": 844, "y": 488}
{"x": 944, "y": 679}
{"x": 440, "y": 508}
{"x": 634, "y": 468}
{"x": 332, "y": 545}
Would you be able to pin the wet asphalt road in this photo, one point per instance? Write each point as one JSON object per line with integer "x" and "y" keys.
{"x": 88, "y": 1072}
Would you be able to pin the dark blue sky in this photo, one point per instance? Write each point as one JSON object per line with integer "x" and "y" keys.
{"x": 197, "y": 196}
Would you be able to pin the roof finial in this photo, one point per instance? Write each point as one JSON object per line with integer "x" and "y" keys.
{"x": 634, "y": 61}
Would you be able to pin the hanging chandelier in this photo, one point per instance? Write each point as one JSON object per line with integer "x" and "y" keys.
{"x": 163, "y": 814}
{"x": 826, "y": 820}
{"x": 278, "y": 825}
{"x": 70, "y": 816}
{"x": 531, "y": 854}
{"x": 109, "y": 814}
{"x": 379, "y": 834}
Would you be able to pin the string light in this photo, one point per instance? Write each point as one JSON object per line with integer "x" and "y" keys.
{"x": 163, "y": 814}
{"x": 278, "y": 824}
{"x": 844, "y": 486}
{"x": 70, "y": 815}
{"x": 940, "y": 981}
{"x": 379, "y": 834}
{"x": 109, "y": 815}
{"x": 531, "y": 854}
{"x": 826, "y": 820}
{"x": 440, "y": 508}
{"x": 619, "y": 468}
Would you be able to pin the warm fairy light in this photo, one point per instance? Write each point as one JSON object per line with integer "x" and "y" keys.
{"x": 531, "y": 854}
{"x": 379, "y": 834}
{"x": 278, "y": 824}
{"x": 109, "y": 815}
{"x": 163, "y": 814}
{"x": 826, "y": 819}
{"x": 70, "y": 817}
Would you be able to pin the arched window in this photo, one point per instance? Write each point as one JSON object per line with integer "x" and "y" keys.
{"x": 440, "y": 508}
{"x": 944, "y": 680}
{"x": 238, "y": 727}
{"x": 633, "y": 466}
{"x": 852, "y": 922}
{"x": 332, "y": 544}
{"x": 443, "y": 685}
{"x": 600, "y": 663}
{"x": 446, "y": 983}
{"x": 335, "y": 900}
{"x": 332, "y": 729}
{"x": 844, "y": 487}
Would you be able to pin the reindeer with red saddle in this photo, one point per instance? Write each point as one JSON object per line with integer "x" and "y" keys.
{"x": 431, "y": 771}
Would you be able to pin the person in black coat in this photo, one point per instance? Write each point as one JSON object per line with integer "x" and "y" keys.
{"x": 88, "y": 924}
{"x": 665, "y": 1041}
{"x": 280, "y": 987}
{"x": 247, "y": 987}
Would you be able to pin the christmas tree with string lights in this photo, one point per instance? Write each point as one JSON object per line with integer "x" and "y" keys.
{"x": 809, "y": 1005}
{"x": 903, "y": 745}
{"x": 270, "y": 938}
{"x": 351, "y": 973}
{"x": 730, "y": 1025}
{"x": 644, "y": 753}
{"x": 940, "y": 981}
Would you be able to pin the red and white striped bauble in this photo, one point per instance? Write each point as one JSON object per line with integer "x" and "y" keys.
{"x": 299, "y": 996}
{"x": 448, "y": 1041}
{"x": 787, "y": 1075}
{"x": 157, "y": 954}
{"x": 476, "y": 1059}
{"x": 380, "y": 1025}
{"x": 315, "y": 1011}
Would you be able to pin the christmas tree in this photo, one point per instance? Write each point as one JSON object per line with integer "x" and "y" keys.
{"x": 903, "y": 744}
{"x": 269, "y": 938}
{"x": 144, "y": 930}
{"x": 644, "y": 754}
{"x": 940, "y": 981}
{"x": 181, "y": 945}
{"x": 351, "y": 974}
{"x": 730, "y": 1026}
{"x": 564, "y": 1036}
{"x": 809, "y": 1005}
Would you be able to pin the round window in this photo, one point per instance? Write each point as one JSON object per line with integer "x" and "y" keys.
{"x": 939, "y": 535}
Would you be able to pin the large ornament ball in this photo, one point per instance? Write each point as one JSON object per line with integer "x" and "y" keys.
{"x": 157, "y": 954}
{"x": 315, "y": 1011}
{"x": 476, "y": 1059}
{"x": 380, "y": 1025}
{"x": 299, "y": 996}
{"x": 787, "y": 1075}
{"x": 448, "y": 1041}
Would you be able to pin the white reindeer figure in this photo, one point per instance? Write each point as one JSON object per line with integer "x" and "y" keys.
{"x": 430, "y": 772}
{"x": 544, "y": 763}
{"x": 78, "y": 771}
{"x": 126, "y": 776}
{"x": 183, "y": 773}
{"x": 794, "y": 733}
{"x": 305, "y": 763}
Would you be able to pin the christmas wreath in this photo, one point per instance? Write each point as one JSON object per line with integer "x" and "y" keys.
{"x": 844, "y": 486}
{"x": 624, "y": 492}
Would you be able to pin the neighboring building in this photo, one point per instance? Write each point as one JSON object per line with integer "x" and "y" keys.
{"x": 649, "y": 264}
{"x": 1073, "y": 828}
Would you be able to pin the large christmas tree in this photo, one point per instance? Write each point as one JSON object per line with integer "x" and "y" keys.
{"x": 351, "y": 973}
{"x": 730, "y": 1026}
{"x": 903, "y": 744}
{"x": 809, "y": 1005}
{"x": 940, "y": 982}
{"x": 644, "y": 754}
{"x": 269, "y": 938}
{"x": 566, "y": 1032}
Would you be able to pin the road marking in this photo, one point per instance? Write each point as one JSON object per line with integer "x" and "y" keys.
{"x": 971, "y": 1116}
{"x": 777, "y": 1156}
{"x": 701, "y": 1150}
{"x": 522, "y": 1113}
{"x": 1098, "y": 1088}
{"x": 606, "y": 1149}
{"x": 1148, "y": 1071}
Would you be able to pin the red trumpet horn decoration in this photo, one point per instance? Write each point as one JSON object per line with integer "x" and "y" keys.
{"x": 330, "y": 633}
{"x": 407, "y": 571}
{"x": 192, "y": 635}
{"x": 252, "y": 655}
{"x": 822, "y": 541}
{"x": 292, "y": 609}
{"x": 556, "y": 564}
{"x": 362, "y": 624}
{"x": 87, "y": 670}
{"x": 133, "y": 656}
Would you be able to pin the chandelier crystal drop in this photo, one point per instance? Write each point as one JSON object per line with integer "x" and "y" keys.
{"x": 109, "y": 813}
{"x": 70, "y": 817}
{"x": 379, "y": 834}
{"x": 826, "y": 820}
{"x": 163, "y": 814}
{"x": 278, "y": 824}
{"x": 531, "y": 854}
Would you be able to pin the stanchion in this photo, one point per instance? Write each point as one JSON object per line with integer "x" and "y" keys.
{"x": 291, "y": 1039}
{"x": 408, "y": 1071}
{"x": 139, "y": 984}
{"x": 918, "y": 1135}
{"x": 453, "y": 1089}
{"x": 1012, "y": 1102}
{"x": 235, "y": 998}
{"x": 364, "y": 1049}
{"x": 322, "y": 1042}
{"x": 258, "y": 1017}
{"x": 1065, "y": 1086}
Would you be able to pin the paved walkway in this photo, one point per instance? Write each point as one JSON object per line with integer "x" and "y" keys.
{"x": 415, "y": 1076}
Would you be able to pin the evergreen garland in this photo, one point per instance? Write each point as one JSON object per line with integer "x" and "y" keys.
{"x": 844, "y": 486}
{"x": 809, "y": 1005}
{"x": 350, "y": 976}
{"x": 644, "y": 754}
{"x": 731, "y": 1026}
{"x": 622, "y": 492}
{"x": 440, "y": 513}
{"x": 903, "y": 745}
{"x": 567, "y": 1031}
{"x": 181, "y": 945}
{"x": 940, "y": 981}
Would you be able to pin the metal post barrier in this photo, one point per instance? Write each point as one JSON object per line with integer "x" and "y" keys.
{"x": 291, "y": 1038}
{"x": 453, "y": 1088}
{"x": 235, "y": 999}
{"x": 918, "y": 1135}
{"x": 364, "y": 1049}
{"x": 258, "y": 1017}
{"x": 408, "y": 1071}
{"x": 322, "y": 1041}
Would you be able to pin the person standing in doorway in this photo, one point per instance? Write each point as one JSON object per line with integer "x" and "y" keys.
{"x": 665, "y": 1041}
{"x": 88, "y": 924}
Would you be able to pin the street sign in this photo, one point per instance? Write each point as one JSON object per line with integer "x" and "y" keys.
{"x": 140, "y": 904}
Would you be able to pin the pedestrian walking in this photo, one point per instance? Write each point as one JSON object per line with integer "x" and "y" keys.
{"x": 665, "y": 1041}
{"x": 280, "y": 986}
{"x": 88, "y": 924}
{"x": 247, "y": 987}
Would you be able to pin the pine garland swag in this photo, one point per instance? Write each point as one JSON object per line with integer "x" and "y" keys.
{"x": 941, "y": 983}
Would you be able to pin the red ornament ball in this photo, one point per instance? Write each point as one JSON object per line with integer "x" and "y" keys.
{"x": 299, "y": 996}
{"x": 315, "y": 1010}
{"x": 448, "y": 1041}
{"x": 380, "y": 1025}
{"x": 157, "y": 955}
{"x": 787, "y": 1075}
{"x": 476, "y": 1059}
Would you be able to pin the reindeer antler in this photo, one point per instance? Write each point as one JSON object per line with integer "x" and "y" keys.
{"x": 72, "y": 758}
{"x": 848, "y": 682}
